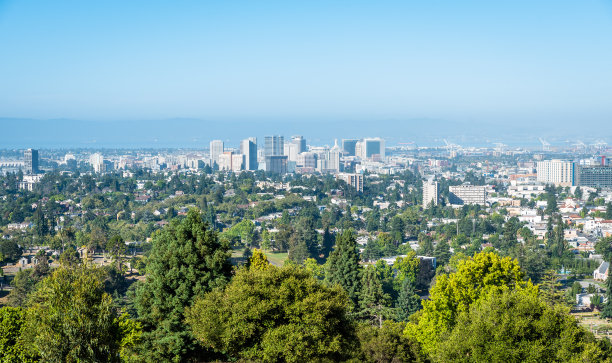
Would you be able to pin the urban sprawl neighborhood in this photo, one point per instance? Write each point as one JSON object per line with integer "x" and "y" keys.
{"x": 392, "y": 227}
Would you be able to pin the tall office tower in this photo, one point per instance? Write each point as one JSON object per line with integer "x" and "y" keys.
{"x": 274, "y": 145}
{"x": 557, "y": 172}
{"x": 430, "y": 193}
{"x": 224, "y": 160}
{"x": 30, "y": 157}
{"x": 359, "y": 147}
{"x": 467, "y": 194}
{"x": 248, "y": 148}
{"x": 348, "y": 146}
{"x": 237, "y": 162}
{"x": 300, "y": 142}
{"x": 216, "y": 149}
{"x": 276, "y": 164}
{"x": 333, "y": 164}
{"x": 371, "y": 148}
{"x": 307, "y": 160}
{"x": 291, "y": 151}
{"x": 97, "y": 162}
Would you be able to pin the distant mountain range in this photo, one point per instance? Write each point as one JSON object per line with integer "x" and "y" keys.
{"x": 194, "y": 133}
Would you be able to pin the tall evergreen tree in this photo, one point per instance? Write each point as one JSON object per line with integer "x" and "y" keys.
{"x": 578, "y": 193}
{"x": 187, "y": 260}
{"x": 374, "y": 302}
{"x": 408, "y": 302}
{"x": 511, "y": 227}
{"x": 41, "y": 228}
{"x": 298, "y": 252}
{"x": 442, "y": 253}
{"x": 607, "y": 310}
{"x": 343, "y": 265}
{"x": 558, "y": 246}
{"x": 327, "y": 244}
{"x": 426, "y": 247}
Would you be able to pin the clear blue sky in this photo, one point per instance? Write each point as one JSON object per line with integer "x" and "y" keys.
{"x": 488, "y": 61}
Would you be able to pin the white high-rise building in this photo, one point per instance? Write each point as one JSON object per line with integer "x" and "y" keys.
{"x": 224, "y": 160}
{"x": 216, "y": 149}
{"x": 430, "y": 193}
{"x": 334, "y": 158}
{"x": 300, "y": 143}
{"x": 370, "y": 148}
{"x": 237, "y": 162}
{"x": 307, "y": 160}
{"x": 291, "y": 150}
{"x": 557, "y": 172}
{"x": 97, "y": 162}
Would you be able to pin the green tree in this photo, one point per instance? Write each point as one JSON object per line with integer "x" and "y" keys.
{"x": 578, "y": 193}
{"x": 258, "y": 260}
{"x": 407, "y": 268}
{"x": 442, "y": 253}
{"x": 604, "y": 248}
{"x": 41, "y": 268}
{"x": 187, "y": 260}
{"x": 41, "y": 227}
{"x": 387, "y": 344}
{"x": 372, "y": 251}
{"x": 275, "y": 315}
{"x": 374, "y": 302}
{"x": 10, "y": 250}
{"x": 23, "y": 284}
{"x": 408, "y": 302}
{"x": 327, "y": 243}
{"x": 454, "y": 293}
{"x": 343, "y": 266}
{"x": 551, "y": 204}
{"x": 607, "y": 307}
{"x": 511, "y": 228}
{"x": 550, "y": 289}
{"x": 71, "y": 318}
{"x": 116, "y": 248}
{"x": 576, "y": 288}
{"x": 426, "y": 247}
{"x": 559, "y": 245}
{"x": 13, "y": 348}
{"x": 516, "y": 326}
{"x": 298, "y": 252}
{"x": 318, "y": 271}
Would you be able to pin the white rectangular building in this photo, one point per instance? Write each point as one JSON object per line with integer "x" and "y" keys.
{"x": 468, "y": 194}
{"x": 557, "y": 172}
{"x": 430, "y": 193}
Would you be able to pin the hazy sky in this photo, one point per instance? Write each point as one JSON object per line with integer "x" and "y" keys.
{"x": 486, "y": 61}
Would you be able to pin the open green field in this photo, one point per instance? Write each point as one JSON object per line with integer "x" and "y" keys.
{"x": 276, "y": 258}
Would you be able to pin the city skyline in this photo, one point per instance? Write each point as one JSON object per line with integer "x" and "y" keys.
{"x": 277, "y": 181}
{"x": 474, "y": 64}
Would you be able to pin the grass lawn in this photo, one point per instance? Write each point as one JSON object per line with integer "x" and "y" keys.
{"x": 276, "y": 258}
